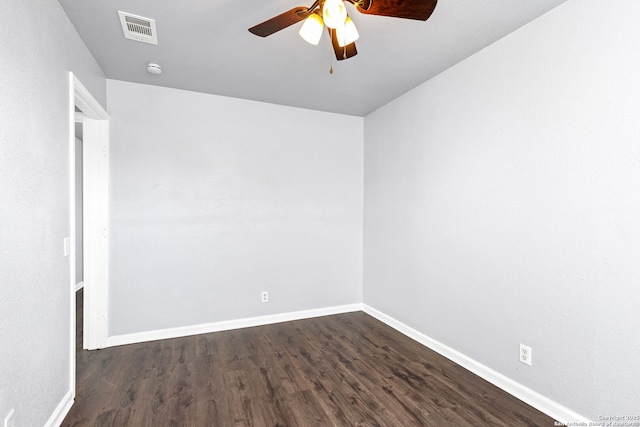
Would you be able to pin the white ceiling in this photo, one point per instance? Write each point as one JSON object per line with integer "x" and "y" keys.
{"x": 204, "y": 46}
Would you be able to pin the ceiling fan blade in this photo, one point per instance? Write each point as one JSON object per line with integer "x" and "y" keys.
{"x": 280, "y": 22}
{"x": 344, "y": 52}
{"x": 408, "y": 9}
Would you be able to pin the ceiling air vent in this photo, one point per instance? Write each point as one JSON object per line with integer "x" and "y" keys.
{"x": 138, "y": 28}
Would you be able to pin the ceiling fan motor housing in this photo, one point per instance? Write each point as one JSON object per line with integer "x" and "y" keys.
{"x": 362, "y": 4}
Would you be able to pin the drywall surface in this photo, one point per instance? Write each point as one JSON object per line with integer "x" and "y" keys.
{"x": 502, "y": 206}
{"x": 38, "y": 48}
{"x": 216, "y": 199}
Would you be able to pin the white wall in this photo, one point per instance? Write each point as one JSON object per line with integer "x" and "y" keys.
{"x": 216, "y": 199}
{"x": 502, "y": 206}
{"x": 38, "y": 47}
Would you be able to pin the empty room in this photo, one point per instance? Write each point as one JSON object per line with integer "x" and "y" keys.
{"x": 225, "y": 214}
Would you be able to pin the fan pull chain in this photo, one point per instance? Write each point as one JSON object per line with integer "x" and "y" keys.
{"x": 331, "y": 63}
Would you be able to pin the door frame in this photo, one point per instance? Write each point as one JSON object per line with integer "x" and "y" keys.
{"x": 95, "y": 216}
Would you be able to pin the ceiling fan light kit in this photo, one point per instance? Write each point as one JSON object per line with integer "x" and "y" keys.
{"x": 333, "y": 14}
{"x": 348, "y": 33}
{"x": 311, "y": 29}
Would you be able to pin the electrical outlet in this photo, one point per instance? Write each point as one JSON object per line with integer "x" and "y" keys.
{"x": 8, "y": 420}
{"x": 265, "y": 296}
{"x": 525, "y": 354}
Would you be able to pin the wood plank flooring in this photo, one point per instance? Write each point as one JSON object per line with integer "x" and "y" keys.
{"x": 343, "y": 370}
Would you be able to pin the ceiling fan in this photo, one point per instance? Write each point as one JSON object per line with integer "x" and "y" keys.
{"x": 342, "y": 30}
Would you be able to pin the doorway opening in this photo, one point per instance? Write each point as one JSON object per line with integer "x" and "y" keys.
{"x": 89, "y": 200}
{"x": 79, "y": 119}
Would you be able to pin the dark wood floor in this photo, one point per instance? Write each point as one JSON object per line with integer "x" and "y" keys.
{"x": 343, "y": 370}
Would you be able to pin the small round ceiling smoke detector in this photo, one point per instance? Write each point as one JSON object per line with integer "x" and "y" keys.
{"x": 154, "y": 69}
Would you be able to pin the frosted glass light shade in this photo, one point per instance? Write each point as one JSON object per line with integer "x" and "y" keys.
{"x": 347, "y": 34}
{"x": 311, "y": 29}
{"x": 334, "y": 13}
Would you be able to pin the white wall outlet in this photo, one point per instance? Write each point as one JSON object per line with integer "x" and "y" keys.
{"x": 525, "y": 354}
{"x": 265, "y": 296}
{"x": 8, "y": 420}
{"x": 67, "y": 246}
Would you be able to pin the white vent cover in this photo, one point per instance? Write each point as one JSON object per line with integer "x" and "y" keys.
{"x": 138, "y": 28}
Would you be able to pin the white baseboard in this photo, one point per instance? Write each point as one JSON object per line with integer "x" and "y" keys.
{"x": 61, "y": 411}
{"x": 543, "y": 404}
{"x": 79, "y": 285}
{"x": 226, "y": 325}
